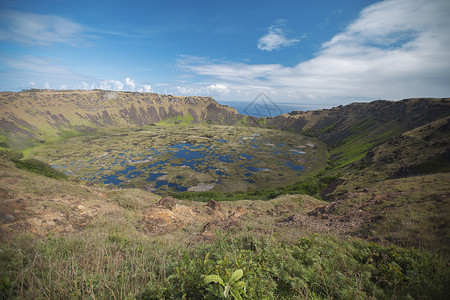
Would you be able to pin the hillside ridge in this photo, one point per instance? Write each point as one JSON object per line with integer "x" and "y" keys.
{"x": 335, "y": 124}
{"x": 44, "y": 114}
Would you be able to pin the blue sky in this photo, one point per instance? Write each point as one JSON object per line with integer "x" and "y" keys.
{"x": 315, "y": 53}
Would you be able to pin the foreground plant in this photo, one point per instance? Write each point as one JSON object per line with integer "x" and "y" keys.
{"x": 232, "y": 286}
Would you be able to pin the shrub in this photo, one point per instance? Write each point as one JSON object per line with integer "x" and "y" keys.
{"x": 39, "y": 167}
{"x": 12, "y": 155}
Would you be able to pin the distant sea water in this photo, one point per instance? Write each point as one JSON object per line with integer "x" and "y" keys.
{"x": 264, "y": 109}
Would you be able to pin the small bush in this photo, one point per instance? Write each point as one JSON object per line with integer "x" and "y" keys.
{"x": 311, "y": 187}
{"x": 39, "y": 167}
{"x": 261, "y": 121}
{"x": 11, "y": 154}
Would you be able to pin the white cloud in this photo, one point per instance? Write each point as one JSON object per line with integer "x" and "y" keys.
{"x": 227, "y": 70}
{"x": 146, "y": 89}
{"x": 117, "y": 85}
{"x": 114, "y": 85}
{"x": 46, "y": 85}
{"x": 276, "y": 38}
{"x": 183, "y": 90}
{"x": 395, "y": 49}
{"x": 38, "y": 65}
{"x": 187, "y": 91}
{"x": 29, "y": 68}
{"x": 130, "y": 83}
{"x": 39, "y": 29}
{"x": 35, "y": 70}
{"x": 218, "y": 88}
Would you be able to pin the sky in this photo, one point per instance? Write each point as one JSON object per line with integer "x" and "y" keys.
{"x": 318, "y": 53}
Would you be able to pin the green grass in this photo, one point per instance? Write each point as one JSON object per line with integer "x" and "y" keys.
{"x": 178, "y": 120}
{"x": 328, "y": 129}
{"x": 244, "y": 121}
{"x": 413, "y": 211}
{"x": 310, "y": 186}
{"x": 17, "y": 142}
{"x": 261, "y": 121}
{"x": 112, "y": 259}
{"x": 68, "y": 133}
{"x": 356, "y": 146}
{"x": 435, "y": 165}
{"x": 11, "y": 154}
{"x": 361, "y": 126}
{"x": 218, "y": 196}
{"x": 117, "y": 266}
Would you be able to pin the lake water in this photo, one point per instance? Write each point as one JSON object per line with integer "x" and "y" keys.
{"x": 154, "y": 168}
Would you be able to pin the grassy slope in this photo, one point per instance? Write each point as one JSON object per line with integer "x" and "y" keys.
{"x": 352, "y": 130}
{"x": 392, "y": 166}
{"x": 73, "y": 240}
{"x": 398, "y": 191}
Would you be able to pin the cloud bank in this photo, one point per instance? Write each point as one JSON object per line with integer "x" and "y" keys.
{"x": 114, "y": 85}
{"x": 47, "y": 73}
{"x": 395, "y": 49}
{"x": 147, "y": 89}
{"x": 130, "y": 83}
{"x": 42, "y": 30}
{"x": 218, "y": 88}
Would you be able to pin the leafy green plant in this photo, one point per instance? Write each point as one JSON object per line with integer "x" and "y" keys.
{"x": 232, "y": 286}
{"x": 312, "y": 267}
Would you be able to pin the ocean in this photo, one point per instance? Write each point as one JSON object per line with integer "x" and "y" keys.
{"x": 266, "y": 108}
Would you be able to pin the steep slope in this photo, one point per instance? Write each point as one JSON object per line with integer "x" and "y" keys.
{"x": 44, "y": 114}
{"x": 423, "y": 150}
{"x": 352, "y": 130}
{"x": 338, "y": 123}
{"x": 396, "y": 191}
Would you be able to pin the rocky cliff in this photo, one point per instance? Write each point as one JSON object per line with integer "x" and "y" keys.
{"x": 339, "y": 123}
{"x": 44, "y": 114}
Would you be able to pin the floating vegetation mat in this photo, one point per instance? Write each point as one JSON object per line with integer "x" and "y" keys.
{"x": 166, "y": 159}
